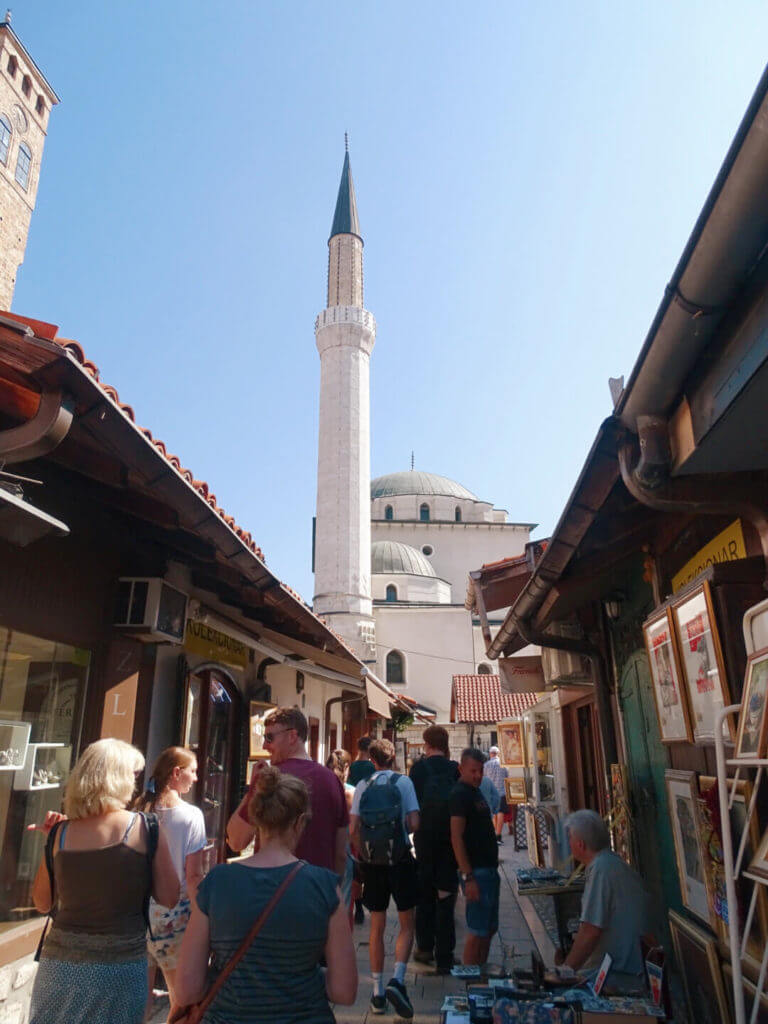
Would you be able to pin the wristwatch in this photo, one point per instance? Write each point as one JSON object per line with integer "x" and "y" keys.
{"x": 468, "y": 877}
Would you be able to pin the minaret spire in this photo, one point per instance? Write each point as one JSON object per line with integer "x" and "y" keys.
{"x": 345, "y": 246}
{"x": 345, "y": 220}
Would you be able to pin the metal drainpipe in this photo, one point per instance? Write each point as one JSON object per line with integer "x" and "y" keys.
{"x": 597, "y": 657}
{"x": 649, "y": 483}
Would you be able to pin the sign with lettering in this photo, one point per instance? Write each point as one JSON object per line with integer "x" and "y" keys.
{"x": 213, "y": 645}
{"x": 727, "y": 546}
{"x": 121, "y": 683}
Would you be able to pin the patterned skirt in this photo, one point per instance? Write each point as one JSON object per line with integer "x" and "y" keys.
{"x": 83, "y": 993}
{"x": 168, "y": 927}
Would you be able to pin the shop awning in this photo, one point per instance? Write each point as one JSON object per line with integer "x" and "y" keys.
{"x": 21, "y": 523}
{"x": 378, "y": 701}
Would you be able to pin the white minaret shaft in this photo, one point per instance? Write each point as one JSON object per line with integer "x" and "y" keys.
{"x": 345, "y": 333}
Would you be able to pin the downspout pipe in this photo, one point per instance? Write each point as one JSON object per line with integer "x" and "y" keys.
{"x": 329, "y": 707}
{"x": 596, "y": 656}
{"x": 647, "y": 479}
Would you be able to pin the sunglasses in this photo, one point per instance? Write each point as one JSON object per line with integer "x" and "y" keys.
{"x": 270, "y": 736}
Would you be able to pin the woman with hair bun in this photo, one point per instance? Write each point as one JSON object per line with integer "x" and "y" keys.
{"x": 173, "y": 775}
{"x": 280, "y": 976}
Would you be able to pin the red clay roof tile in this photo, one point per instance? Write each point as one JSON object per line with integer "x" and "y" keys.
{"x": 479, "y": 698}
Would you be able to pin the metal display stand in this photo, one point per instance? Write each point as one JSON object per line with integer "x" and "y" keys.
{"x": 734, "y": 869}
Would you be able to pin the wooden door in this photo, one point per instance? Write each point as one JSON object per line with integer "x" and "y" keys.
{"x": 314, "y": 738}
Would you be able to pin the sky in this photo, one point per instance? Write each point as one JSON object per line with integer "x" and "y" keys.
{"x": 527, "y": 176}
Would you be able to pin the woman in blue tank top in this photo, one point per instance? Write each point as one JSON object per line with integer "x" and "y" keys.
{"x": 279, "y": 980}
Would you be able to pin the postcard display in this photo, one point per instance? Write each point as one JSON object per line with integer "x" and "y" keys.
{"x": 750, "y": 752}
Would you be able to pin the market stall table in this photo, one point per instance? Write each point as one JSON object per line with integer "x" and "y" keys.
{"x": 563, "y": 889}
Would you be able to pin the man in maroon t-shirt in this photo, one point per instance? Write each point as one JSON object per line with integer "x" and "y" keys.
{"x": 324, "y": 840}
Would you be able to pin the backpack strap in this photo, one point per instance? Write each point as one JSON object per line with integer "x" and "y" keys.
{"x": 153, "y": 837}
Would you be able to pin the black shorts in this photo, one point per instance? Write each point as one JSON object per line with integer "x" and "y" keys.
{"x": 398, "y": 881}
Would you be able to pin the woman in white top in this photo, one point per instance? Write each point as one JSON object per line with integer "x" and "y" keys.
{"x": 182, "y": 824}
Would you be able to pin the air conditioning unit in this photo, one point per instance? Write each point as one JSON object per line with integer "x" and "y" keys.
{"x": 562, "y": 667}
{"x": 150, "y": 609}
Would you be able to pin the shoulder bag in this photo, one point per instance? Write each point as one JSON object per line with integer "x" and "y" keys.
{"x": 194, "y": 1014}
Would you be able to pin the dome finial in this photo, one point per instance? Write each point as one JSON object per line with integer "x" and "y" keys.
{"x": 8, "y": 14}
{"x": 346, "y": 142}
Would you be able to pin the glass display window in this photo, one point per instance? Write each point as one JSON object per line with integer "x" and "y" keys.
{"x": 42, "y": 690}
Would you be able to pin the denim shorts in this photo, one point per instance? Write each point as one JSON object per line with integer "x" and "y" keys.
{"x": 482, "y": 915}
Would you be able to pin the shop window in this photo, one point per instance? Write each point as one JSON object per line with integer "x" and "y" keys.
{"x": 42, "y": 690}
{"x": 457, "y": 514}
{"x": 391, "y": 592}
{"x": 389, "y": 512}
{"x": 484, "y": 670}
{"x": 395, "y": 667}
{"x": 5, "y": 138}
{"x": 23, "y": 162}
{"x": 424, "y": 513}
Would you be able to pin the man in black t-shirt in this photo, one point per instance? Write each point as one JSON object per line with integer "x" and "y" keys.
{"x": 434, "y": 777}
{"x": 473, "y": 838}
{"x": 362, "y": 767}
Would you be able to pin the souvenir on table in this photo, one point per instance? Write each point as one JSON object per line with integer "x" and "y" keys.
{"x": 695, "y": 885}
{"x": 514, "y": 790}
{"x": 751, "y": 736}
{"x": 671, "y": 704}
{"x": 738, "y": 816}
{"x": 511, "y": 743}
{"x": 701, "y": 662}
{"x": 697, "y": 961}
{"x": 259, "y": 712}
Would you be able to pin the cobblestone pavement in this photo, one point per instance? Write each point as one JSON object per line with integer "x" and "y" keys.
{"x": 518, "y": 923}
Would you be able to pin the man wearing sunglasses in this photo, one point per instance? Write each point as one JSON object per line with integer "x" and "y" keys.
{"x": 324, "y": 840}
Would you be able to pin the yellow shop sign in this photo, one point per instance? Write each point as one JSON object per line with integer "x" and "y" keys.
{"x": 727, "y": 546}
{"x": 213, "y": 645}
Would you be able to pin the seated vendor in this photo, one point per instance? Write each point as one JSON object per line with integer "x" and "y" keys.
{"x": 614, "y": 908}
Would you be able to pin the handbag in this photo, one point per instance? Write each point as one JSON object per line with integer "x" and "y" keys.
{"x": 194, "y": 1013}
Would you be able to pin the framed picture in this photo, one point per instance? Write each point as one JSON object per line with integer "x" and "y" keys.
{"x": 738, "y": 816}
{"x": 749, "y": 995}
{"x": 758, "y": 866}
{"x": 532, "y": 839}
{"x": 515, "y": 790}
{"x": 671, "y": 704}
{"x": 259, "y": 712}
{"x": 751, "y": 735}
{"x": 697, "y": 961}
{"x": 683, "y": 800}
{"x": 512, "y": 743}
{"x": 620, "y": 821}
{"x": 701, "y": 661}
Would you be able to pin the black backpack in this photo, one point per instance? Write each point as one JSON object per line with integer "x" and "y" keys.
{"x": 435, "y": 801}
{"x": 383, "y": 839}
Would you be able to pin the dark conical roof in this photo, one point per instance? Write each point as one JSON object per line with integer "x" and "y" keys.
{"x": 345, "y": 220}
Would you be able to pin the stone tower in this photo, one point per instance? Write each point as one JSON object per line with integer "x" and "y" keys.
{"x": 26, "y": 100}
{"x": 345, "y": 333}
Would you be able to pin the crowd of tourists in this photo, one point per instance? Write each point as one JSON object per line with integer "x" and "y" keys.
{"x": 269, "y": 935}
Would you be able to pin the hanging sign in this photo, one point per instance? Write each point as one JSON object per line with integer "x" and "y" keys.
{"x": 727, "y": 546}
{"x": 213, "y": 645}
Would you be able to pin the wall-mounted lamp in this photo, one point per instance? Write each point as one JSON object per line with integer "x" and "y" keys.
{"x": 612, "y": 605}
{"x": 299, "y": 682}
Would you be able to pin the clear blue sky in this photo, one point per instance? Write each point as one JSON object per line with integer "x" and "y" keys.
{"x": 527, "y": 176}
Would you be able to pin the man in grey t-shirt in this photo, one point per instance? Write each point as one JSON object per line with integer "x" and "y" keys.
{"x": 614, "y": 908}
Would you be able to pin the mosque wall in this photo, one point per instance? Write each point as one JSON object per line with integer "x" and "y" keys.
{"x": 411, "y": 588}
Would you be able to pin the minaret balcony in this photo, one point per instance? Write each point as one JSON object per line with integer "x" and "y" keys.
{"x": 346, "y": 325}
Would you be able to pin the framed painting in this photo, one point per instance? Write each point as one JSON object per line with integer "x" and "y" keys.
{"x": 532, "y": 839}
{"x": 758, "y": 866}
{"x": 695, "y": 885}
{"x": 620, "y": 822}
{"x": 515, "y": 790}
{"x": 258, "y": 713}
{"x": 751, "y": 734}
{"x": 701, "y": 661}
{"x": 699, "y": 967}
{"x": 512, "y": 743}
{"x": 738, "y": 815}
{"x": 749, "y": 995}
{"x": 671, "y": 704}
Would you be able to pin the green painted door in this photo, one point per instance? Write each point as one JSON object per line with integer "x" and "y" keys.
{"x": 647, "y": 762}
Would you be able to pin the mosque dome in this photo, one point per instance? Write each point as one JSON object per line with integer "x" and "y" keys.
{"x": 414, "y": 482}
{"x": 388, "y": 556}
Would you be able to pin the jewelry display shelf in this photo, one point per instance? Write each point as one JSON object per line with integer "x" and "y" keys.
{"x": 24, "y": 778}
{"x": 14, "y": 740}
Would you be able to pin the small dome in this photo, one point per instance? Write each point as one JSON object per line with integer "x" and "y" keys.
{"x": 387, "y": 556}
{"x": 413, "y": 482}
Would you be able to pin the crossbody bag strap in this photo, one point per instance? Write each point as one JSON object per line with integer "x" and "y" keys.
{"x": 235, "y": 959}
{"x": 48, "y": 854}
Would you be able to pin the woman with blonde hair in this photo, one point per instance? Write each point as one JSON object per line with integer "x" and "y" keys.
{"x": 173, "y": 775}
{"x": 101, "y": 863}
{"x": 279, "y": 977}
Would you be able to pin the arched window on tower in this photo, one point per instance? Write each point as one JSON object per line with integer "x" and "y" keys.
{"x": 26, "y": 85}
{"x": 5, "y": 138}
{"x": 23, "y": 162}
{"x": 457, "y": 514}
{"x": 391, "y": 592}
{"x": 389, "y": 512}
{"x": 13, "y": 66}
{"x": 424, "y": 513}
{"x": 395, "y": 667}
{"x": 484, "y": 670}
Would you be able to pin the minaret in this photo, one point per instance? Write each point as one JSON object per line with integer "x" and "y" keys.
{"x": 345, "y": 333}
